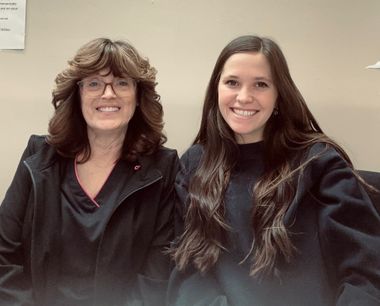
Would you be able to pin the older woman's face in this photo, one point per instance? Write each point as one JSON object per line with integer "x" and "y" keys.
{"x": 108, "y": 103}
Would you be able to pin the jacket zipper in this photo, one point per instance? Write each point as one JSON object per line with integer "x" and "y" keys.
{"x": 33, "y": 181}
{"x": 138, "y": 189}
{"x": 126, "y": 197}
{"x": 105, "y": 228}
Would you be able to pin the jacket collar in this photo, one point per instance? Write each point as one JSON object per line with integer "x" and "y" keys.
{"x": 43, "y": 158}
{"x": 144, "y": 171}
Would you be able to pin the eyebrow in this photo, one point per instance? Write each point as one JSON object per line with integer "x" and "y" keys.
{"x": 263, "y": 78}
{"x": 259, "y": 78}
{"x": 101, "y": 77}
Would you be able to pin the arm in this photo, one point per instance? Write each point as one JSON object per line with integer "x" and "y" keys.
{"x": 349, "y": 233}
{"x": 15, "y": 287}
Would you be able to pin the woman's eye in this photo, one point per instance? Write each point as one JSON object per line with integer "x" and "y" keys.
{"x": 261, "y": 84}
{"x": 93, "y": 83}
{"x": 232, "y": 83}
{"x": 122, "y": 83}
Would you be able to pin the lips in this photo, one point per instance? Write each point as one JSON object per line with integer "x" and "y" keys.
{"x": 108, "y": 109}
{"x": 244, "y": 113}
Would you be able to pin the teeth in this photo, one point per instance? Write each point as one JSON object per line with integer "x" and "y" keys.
{"x": 244, "y": 113}
{"x": 108, "y": 109}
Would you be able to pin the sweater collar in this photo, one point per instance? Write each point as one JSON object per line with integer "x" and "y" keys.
{"x": 250, "y": 150}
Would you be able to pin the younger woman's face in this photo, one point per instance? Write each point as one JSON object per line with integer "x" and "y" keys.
{"x": 247, "y": 95}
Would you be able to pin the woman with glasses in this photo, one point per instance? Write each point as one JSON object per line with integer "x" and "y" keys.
{"x": 273, "y": 213}
{"x": 89, "y": 212}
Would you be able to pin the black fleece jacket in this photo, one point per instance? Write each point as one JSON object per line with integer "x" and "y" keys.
{"x": 333, "y": 225}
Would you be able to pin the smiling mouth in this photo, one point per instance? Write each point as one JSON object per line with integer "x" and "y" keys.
{"x": 244, "y": 113}
{"x": 108, "y": 109}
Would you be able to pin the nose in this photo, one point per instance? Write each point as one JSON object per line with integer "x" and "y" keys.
{"x": 245, "y": 95}
{"x": 108, "y": 91}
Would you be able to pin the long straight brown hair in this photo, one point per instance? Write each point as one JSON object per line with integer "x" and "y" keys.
{"x": 286, "y": 136}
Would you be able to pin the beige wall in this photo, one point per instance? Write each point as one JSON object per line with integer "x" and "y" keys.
{"x": 327, "y": 43}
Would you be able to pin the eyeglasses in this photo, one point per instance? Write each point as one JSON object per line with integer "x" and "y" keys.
{"x": 96, "y": 86}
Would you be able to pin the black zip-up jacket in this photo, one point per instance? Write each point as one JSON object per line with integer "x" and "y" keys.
{"x": 131, "y": 268}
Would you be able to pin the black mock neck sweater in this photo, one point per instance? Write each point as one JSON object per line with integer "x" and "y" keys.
{"x": 238, "y": 199}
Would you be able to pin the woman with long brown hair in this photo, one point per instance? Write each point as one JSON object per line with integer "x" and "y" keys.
{"x": 89, "y": 212}
{"x": 271, "y": 210}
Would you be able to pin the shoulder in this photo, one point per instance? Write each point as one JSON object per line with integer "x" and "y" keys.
{"x": 37, "y": 143}
{"x": 164, "y": 160}
{"x": 324, "y": 156}
{"x": 191, "y": 157}
{"x": 322, "y": 149}
{"x": 322, "y": 164}
{"x": 324, "y": 174}
{"x": 39, "y": 152}
{"x": 188, "y": 164}
{"x": 163, "y": 155}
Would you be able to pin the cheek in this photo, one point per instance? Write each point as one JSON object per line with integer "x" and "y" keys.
{"x": 224, "y": 97}
{"x": 223, "y": 107}
{"x": 221, "y": 102}
{"x": 275, "y": 98}
{"x": 131, "y": 100}
{"x": 130, "y": 109}
{"x": 132, "y": 104}
{"x": 84, "y": 105}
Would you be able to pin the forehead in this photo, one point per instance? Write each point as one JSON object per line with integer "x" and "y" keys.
{"x": 247, "y": 63}
{"x": 107, "y": 73}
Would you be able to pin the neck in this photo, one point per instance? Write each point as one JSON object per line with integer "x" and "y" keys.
{"x": 106, "y": 148}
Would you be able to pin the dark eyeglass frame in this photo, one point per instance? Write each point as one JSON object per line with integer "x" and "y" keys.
{"x": 100, "y": 91}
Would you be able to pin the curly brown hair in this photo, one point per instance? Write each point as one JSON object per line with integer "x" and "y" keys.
{"x": 67, "y": 127}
